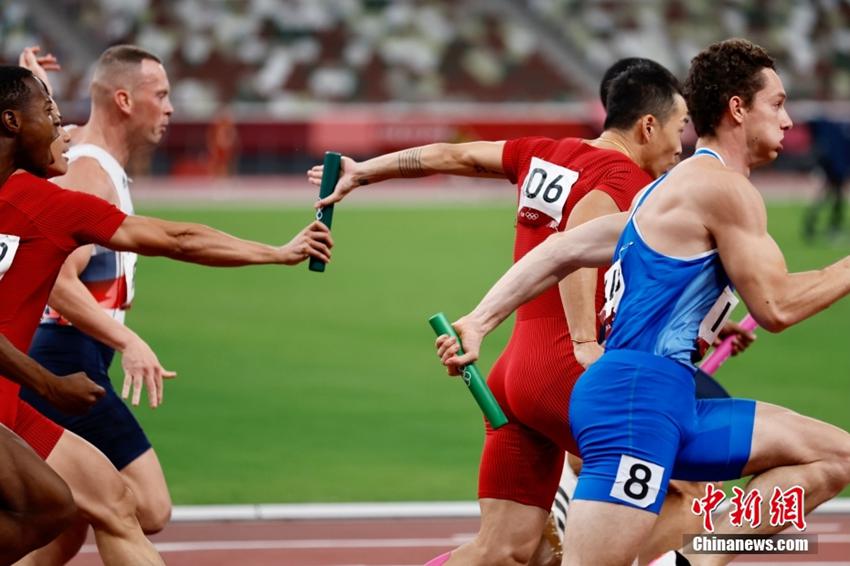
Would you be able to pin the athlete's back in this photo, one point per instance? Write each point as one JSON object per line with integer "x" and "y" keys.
{"x": 667, "y": 287}
{"x": 552, "y": 176}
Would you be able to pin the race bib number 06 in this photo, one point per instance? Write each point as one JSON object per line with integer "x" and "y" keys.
{"x": 544, "y": 193}
{"x": 8, "y": 248}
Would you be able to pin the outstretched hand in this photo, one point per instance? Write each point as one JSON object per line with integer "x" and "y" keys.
{"x": 39, "y": 65}
{"x": 344, "y": 185}
{"x": 313, "y": 241}
{"x": 142, "y": 368}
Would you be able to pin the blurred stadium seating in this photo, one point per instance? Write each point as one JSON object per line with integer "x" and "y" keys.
{"x": 292, "y": 71}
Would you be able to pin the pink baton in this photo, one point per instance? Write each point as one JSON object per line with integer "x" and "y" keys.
{"x": 724, "y": 350}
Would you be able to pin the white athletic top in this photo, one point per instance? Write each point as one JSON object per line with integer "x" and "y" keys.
{"x": 110, "y": 275}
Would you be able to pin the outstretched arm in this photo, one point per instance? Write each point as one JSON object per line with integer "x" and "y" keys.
{"x": 39, "y": 64}
{"x": 776, "y": 298}
{"x": 196, "y": 243}
{"x": 590, "y": 245}
{"x": 473, "y": 159}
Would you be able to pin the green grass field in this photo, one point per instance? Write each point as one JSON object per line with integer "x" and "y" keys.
{"x": 296, "y": 386}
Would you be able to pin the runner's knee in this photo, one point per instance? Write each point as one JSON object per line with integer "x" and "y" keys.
{"x": 114, "y": 511}
{"x": 154, "y": 513}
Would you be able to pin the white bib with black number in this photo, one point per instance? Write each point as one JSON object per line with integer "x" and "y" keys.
{"x": 615, "y": 287}
{"x": 545, "y": 190}
{"x": 637, "y": 482}
{"x": 717, "y": 316}
{"x": 8, "y": 248}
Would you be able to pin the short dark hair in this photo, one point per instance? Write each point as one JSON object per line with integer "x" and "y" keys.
{"x": 614, "y": 71}
{"x": 14, "y": 90}
{"x": 643, "y": 87}
{"x": 723, "y": 70}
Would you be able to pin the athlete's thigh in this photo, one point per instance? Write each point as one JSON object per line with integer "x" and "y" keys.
{"x": 95, "y": 483}
{"x": 519, "y": 464}
{"x": 627, "y": 413}
{"x": 25, "y": 479}
{"x": 718, "y": 445}
{"x": 782, "y": 437}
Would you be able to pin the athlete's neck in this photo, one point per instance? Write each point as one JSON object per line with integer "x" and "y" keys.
{"x": 733, "y": 154}
{"x": 617, "y": 141}
{"x": 105, "y": 133}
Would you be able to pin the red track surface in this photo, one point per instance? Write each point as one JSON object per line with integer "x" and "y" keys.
{"x": 401, "y": 542}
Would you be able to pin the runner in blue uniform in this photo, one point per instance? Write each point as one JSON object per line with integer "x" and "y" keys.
{"x": 690, "y": 237}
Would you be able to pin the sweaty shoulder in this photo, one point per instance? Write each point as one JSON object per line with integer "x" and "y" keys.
{"x": 86, "y": 175}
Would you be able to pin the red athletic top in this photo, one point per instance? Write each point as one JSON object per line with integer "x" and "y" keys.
{"x": 40, "y": 225}
{"x": 551, "y": 177}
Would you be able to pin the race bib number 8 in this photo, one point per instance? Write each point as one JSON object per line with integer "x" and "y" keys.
{"x": 637, "y": 482}
{"x": 544, "y": 193}
{"x": 8, "y": 248}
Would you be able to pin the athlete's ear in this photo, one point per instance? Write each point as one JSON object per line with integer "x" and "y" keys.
{"x": 123, "y": 100}
{"x": 11, "y": 121}
{"x": 648, "y": 124}
{"x": 737, "y": 109}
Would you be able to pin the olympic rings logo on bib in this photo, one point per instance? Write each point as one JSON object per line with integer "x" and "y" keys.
{"x": 544, "y": 193}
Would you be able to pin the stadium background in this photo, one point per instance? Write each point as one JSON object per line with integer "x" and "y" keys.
{"x": 298, "y": 387}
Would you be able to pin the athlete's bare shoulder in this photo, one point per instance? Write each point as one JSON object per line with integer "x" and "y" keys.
{"x": 714, "y": 186}
{"x": 86, "y": 175}
{"x": 726, "y": 197}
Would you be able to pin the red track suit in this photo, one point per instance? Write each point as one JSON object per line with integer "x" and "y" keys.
{"x": 40, "y": 225}
{"x": 534, "y": 376}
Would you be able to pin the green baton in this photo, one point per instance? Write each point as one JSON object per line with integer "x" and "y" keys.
{"x": 330, "y": 175}
{"x": 472, "y": 377}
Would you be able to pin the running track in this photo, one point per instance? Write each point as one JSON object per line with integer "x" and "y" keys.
{"x": 398, "y": 542}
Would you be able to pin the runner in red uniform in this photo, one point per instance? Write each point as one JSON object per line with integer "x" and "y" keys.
{"x": 40, "y": 224}
{"x": 561, "y": 183}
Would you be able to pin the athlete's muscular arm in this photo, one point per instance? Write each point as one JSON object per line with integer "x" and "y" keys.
{"x": 73, "y": 301}
{"x": 72, "y": 394}
{"x": 776, "y": 298}
{"x": 473, "y": 159}
{"x": 589, "y": 245}
{"x": 196, "y": 243}
{"x": 578, "y": 290}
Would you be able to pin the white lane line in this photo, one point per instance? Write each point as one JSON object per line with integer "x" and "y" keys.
{"x": 304, "y": 544}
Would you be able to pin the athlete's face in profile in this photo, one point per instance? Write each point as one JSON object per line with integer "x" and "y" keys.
{"x": 39, "y": 120}
{"x": 665, "y": 145}
{"x": 151, "y": 103}
{"x": 58, "y": 152}
{"x": 767, "y": 120}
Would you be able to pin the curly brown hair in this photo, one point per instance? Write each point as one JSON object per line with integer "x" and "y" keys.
{"x": 723, "y": 70}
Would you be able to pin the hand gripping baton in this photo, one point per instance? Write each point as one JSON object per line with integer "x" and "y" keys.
{"x": 724, "y": 350}
{"x": 472, "y": 377}
{"x": 330, "y": 175}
